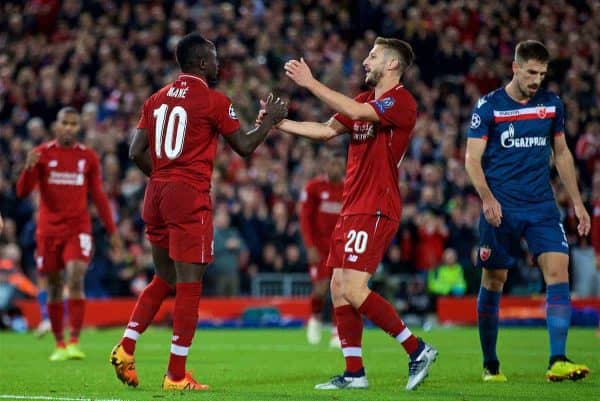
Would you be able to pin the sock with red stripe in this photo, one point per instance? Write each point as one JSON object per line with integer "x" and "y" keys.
{"x": 145, "y": 309}
{"x": 382, "y": 313}
{"x": 56, "y": 314}
{"x": 76, "y": 308}
{"x": 185, "y": 319}
{"x": 350, "y": 328}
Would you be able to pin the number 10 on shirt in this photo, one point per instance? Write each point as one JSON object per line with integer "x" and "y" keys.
{"x": 172, "y": 148}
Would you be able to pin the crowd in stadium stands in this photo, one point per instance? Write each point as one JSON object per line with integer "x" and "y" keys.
{"x": 105, "y": 57}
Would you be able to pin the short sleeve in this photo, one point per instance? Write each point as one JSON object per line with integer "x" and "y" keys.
{"x": 342, "y": 119}
{"x": 394, "y": 111}
{"x": 559, "y": 119}
{"x": 142, "y": 123}
{"x": 225, "y": 116}
{"x": 480, "y": 120}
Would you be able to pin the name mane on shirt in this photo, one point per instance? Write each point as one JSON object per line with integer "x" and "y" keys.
{"x": 178, "y": 93}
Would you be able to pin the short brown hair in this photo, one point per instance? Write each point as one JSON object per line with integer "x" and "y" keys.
{"x": 404, "y": 49}
{"x": 531, "y": 50}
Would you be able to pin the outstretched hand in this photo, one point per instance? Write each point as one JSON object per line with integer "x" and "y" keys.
{"x": 272, "y": 110}
{"x": 299, "y": 72}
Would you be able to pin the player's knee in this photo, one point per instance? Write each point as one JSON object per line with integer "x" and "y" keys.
{"x": 337, "y": 290}
{"x": 55, "y": 290}
{"x": 75, "y": 286}
{"x": 495, "y": 285}
{"x": 353, "y": 293}
{"x": 493, "y": 280}
{"x": 555, "y": 276}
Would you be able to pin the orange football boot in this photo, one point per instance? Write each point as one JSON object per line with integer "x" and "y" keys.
{"x": 187, "y": 383}
{"x": 124, "y": 366}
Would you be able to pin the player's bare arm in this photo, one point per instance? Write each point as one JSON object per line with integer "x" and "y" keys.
{"x": 491, "y": 207}
{"x": 312, "y": 129}
{"x": 244, "y": 143}
{"x": 299, "y": 72}
{"x": 566, "y": 169}
{"x": 139, "y": 153}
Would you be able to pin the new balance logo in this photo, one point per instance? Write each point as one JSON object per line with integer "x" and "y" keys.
{"x": 175, "y": 338}
{"x": 133, "y": 325}
{"x": 352, "y": 258}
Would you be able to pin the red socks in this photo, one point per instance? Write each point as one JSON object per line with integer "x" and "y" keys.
{"x": 76, "y": 308}
{"x": 382, "y": 313}
{"x": 316, "y": 306}
{"x": 185, "y": 319}
{"x": 56, "y": 313}
{"x": 145, "y": 309}
{"x": 350, "y": 327}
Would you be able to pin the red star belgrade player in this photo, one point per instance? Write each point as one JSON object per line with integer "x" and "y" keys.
{"x": 175, "y": 145}
{"x": 65, "y": 171}
{"x": 380, "y": 122}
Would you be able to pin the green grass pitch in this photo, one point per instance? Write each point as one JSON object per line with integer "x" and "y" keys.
{"x": 279, "y": 365}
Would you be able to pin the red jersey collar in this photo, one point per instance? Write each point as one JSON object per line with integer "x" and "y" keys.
{"x": 372, "y": 95}
{"x": 190, "y": 76}
{"x": 54, "y": 143}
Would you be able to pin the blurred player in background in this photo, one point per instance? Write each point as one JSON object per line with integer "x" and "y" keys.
{"x": 321, "y": 202}
{"x": 175, "y": 145}
{"x": 66, "y": 172}
{"x": 514, "y": 130}
{"x": 380, "y": 122}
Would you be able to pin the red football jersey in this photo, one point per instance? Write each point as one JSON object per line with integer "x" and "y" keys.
{"x": 65, "y": 175}
{"x": 184, "y": 120}
{"x": 321, "y": 206}
{"x": 375, "y": 152}
{"x": 595, "y": 234}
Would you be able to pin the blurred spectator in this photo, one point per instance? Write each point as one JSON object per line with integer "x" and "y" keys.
{"x": 448, "y": 278}
{"x": 586, "y": 279}
{"x": 432, "y": 234}
{"x": 413, "y": 301}
{"x": 230, "y": 253}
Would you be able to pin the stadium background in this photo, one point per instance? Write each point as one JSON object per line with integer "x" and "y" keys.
{"x": 106, "y": 57}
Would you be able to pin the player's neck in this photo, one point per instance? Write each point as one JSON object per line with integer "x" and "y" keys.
{"x": 385, "y": 84}
{"x": 194, "y": 73}
{"x": 65, "y": 144}
{"x": 512, "y": 90}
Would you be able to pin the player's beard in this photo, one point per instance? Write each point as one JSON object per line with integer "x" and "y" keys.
{"x": 66, "y": 140}
{"x": 373, "y": 77}
{"x": 526, "y": 91}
